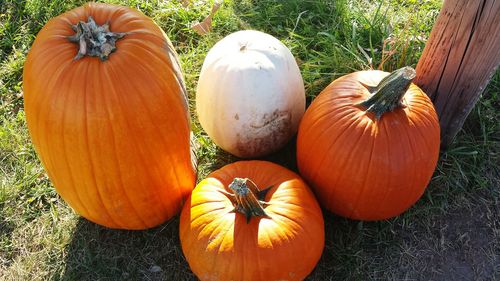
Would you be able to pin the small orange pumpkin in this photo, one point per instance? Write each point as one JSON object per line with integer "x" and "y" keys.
{"x": 107, "y": 113}
{"x": 369, "y": 144}
{"x": 228, "y": 234}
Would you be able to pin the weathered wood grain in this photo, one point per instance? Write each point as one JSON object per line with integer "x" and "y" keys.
{"x": 462, "y": 54}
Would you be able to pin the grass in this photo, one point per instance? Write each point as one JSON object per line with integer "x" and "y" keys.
{"x": 452, "y": 233}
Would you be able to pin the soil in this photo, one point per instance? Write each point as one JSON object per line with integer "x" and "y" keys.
{"x": 468, "y": 244}
{"x": 459, "y": 244}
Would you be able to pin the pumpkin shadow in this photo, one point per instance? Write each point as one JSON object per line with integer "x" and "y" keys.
{"x": 99, "y": 253}
{"x": 285, "y": 156}
{"x": 350, "y": 244}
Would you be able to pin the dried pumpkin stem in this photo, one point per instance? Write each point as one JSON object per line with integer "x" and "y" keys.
{"x": 387, "y": 95}
{"x": 94, "y": 40}
{"x": 245, "y": 197}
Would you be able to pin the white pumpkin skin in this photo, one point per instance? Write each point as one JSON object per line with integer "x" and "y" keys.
{"x": 250, "y": 95}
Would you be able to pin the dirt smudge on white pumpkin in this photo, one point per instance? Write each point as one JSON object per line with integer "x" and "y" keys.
{"x": 265, "y": 135}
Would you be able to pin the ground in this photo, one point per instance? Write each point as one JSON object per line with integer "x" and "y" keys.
{"x": 452, "y": 233}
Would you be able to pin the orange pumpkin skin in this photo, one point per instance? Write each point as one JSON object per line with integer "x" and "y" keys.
{"x": 112, "y": 135}
{"x": 360, "y": 167}
{"x": 219, "y": 244}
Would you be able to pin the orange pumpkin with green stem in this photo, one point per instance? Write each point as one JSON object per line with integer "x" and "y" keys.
{"x": 227, "y": 233}
{"x": 107, "y": 113}
{"x": 368, "y": 144}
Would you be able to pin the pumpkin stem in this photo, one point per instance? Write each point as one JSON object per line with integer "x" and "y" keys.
{"x": 388, "y": 93}
{"x": 245, "y": 195}
{"x": 94, "y": 40}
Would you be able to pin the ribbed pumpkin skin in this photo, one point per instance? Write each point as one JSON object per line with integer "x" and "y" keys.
{"x": 219, "y": 244}
{"x": 361, "y": 168}
{"x": 113, "y": 136}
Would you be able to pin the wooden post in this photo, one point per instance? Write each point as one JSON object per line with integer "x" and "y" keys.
{"x": 461, "y": 56}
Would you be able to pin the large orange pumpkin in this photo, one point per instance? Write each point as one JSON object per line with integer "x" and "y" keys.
{"x": 110, "y": 124}
{"x": 368, "y": 144}
{"x": 228, "y": 234}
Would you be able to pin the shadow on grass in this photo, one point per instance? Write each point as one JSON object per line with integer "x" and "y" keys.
{"x": 353, "y": 249}
{"x": 285, "y": 18}
{"x": 284, "y": 157}
{"x": 99, "y": 253}
{"x": 424, "y": 243}
{"x": 6, "y": 230}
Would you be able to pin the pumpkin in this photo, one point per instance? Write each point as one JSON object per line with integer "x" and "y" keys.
{"x": 252, "y": 220}
{"x": 107, "y": 113}
{"x": 250, "y": 95}
{"x": 368, "y": 144}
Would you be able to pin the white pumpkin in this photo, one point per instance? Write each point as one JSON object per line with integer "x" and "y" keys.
{"x": 250, "y": 95}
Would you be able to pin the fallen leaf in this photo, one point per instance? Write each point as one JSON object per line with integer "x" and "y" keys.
{"x": 205, "y": 26}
